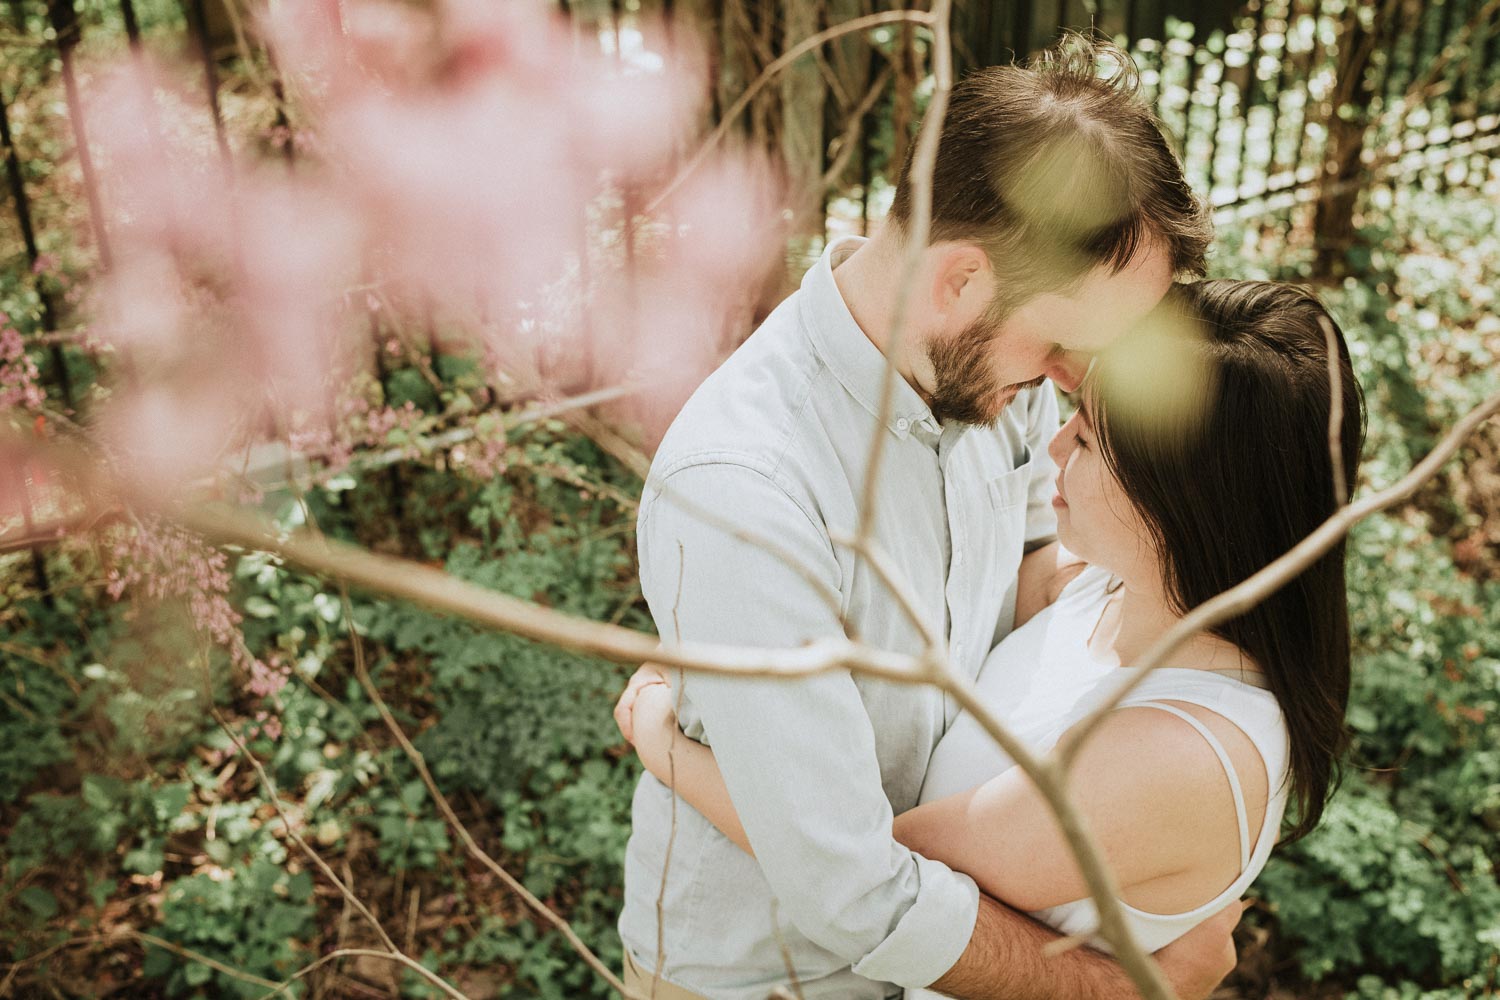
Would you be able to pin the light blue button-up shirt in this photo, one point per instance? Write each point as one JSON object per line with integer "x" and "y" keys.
{"x": 776, "y": 443}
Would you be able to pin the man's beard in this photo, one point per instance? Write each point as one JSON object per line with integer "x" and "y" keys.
{"x": 964, "y": 385}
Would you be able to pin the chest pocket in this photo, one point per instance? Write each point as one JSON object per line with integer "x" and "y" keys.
{"x": 1010, "y": 489}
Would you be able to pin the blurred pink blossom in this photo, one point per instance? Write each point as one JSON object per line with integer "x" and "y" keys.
{"x": 19, "y": 388}
{"x": 469, "y": 164}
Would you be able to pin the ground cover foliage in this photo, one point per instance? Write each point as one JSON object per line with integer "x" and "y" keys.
{"x": 125, "y": 807}
{"x": 123, "y": 804}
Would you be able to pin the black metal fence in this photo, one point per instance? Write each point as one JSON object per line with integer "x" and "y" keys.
{"x": 1253, "y": 105}
{"x": 1247, "y": 88}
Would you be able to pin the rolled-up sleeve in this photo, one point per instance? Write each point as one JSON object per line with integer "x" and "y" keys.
{"x": 798, "y": 756}
{"x": 1042, "y": 424}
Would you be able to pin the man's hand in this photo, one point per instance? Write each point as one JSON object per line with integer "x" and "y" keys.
{"x": 645, "y": 676}
{"x": 1199, "y": 960}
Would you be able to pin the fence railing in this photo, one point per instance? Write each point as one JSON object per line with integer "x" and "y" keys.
{"x": 1256, "y": 94}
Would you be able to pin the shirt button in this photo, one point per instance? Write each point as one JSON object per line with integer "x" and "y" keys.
{"x": 902, "y": 424}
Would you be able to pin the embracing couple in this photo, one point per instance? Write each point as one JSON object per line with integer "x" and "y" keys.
{"x": 855, "y": 838}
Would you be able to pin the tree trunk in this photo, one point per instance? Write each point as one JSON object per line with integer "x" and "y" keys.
{"x": 1342, "y": 181}
{"x": 803, "y": 95}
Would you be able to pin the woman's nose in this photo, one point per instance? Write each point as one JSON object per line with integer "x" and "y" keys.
{"x": 1058, "y": 447}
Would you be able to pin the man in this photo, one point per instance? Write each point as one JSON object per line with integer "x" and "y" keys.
{"x": 1060, "y": 217}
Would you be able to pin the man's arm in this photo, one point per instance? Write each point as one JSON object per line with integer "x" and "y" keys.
{"x": 798, "y": 756}
{"x": 1004, "y": 961}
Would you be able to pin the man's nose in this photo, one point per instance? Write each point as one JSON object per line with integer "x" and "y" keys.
{"x": 1068, "y": 371}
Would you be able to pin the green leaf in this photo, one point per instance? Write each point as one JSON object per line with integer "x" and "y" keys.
{"x": 39, "y": 901}
{"x": 259, "y": 607}
{"x": 158, "y": 962}
{"x": 144, "y": 860}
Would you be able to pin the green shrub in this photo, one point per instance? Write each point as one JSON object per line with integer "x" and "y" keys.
{"x": 252, "y": 918}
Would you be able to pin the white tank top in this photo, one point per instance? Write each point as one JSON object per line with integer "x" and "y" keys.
{"x": 1041, "y": 680}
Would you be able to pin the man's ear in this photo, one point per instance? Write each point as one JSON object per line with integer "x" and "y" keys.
{"x": 962, "y": 277}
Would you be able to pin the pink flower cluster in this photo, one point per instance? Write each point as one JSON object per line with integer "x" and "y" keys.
{"x": 166, "y": 562}
{"x": 266, "y": 682}
{"x": 477, "y": 163}
{"x": 18, "y": 372}
{"x": 355, "y": 423}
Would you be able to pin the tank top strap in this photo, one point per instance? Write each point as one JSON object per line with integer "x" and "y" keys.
{"x": 1223, "y": 755}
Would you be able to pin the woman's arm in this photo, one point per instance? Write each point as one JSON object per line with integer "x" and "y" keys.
{"x": 686, "y": 766}
{"x": 1043, "y": 574}
{"x": 1148, "y": 788}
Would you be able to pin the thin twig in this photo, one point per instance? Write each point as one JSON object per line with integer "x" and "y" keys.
{"x": 848, "y": 141}
{"x": 666, "y": 864}
{"x": 786, "y": 955}
{"x": 791, "y": 55}
{"x": 202, "y": 959}
{"x": 415, "y": 755}
{"x": 1335, "y": 413}
{"x": 880, "y": 562}
{"x": 275, "y": 798}
{"x": 45, "y": 953}
{"x": 923, "y": 165}
{"x": 392, "y": 956}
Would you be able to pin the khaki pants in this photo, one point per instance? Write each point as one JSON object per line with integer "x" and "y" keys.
{"x": 639, "y": 979}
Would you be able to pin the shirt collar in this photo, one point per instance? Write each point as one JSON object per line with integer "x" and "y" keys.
{"x": 841, "y": 345}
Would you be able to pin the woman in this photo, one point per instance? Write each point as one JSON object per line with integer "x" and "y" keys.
{"x": 1186, "y": 784}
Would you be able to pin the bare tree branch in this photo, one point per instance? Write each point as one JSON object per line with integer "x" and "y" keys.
{"x": 435, "y": 589}
{"x": 791, "y": 55}
{"x": 848, "y": 141}
{"x": 880, "y": 562}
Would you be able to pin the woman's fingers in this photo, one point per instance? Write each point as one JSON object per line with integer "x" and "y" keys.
{"x": 624, "y": 711}
{"x": 645, "y": 676}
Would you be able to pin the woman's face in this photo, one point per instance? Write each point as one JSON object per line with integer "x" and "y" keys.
{"x": 1095, "y": 520}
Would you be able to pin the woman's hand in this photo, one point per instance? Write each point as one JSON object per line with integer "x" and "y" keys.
{"x": 647, "y": 716}
{"x": 648, "y": 675}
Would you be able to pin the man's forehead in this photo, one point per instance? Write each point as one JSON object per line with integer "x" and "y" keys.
{"x": 1107, "y": 303}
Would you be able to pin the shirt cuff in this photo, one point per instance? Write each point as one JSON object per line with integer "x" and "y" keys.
{"x": 932, "y": 934}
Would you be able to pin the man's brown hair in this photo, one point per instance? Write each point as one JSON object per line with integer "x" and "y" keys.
{"x": 1056, "y": 168}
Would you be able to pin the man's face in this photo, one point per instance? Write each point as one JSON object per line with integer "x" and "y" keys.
{"x": 979, "y": 370}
